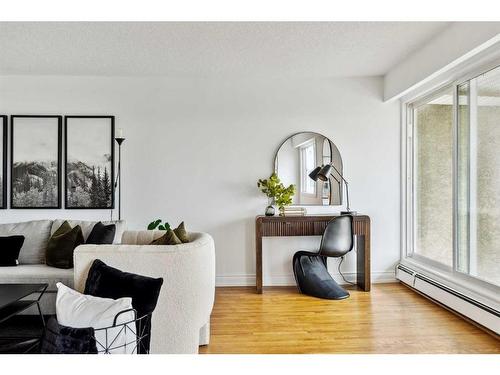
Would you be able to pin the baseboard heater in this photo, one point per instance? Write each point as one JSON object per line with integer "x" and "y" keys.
{"x": 464, "y": 305}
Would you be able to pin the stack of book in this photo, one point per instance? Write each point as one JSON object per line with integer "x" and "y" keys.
{"x": 294, "y": 211}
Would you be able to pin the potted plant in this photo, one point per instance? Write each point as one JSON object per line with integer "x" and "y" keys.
{"x": 277, "y": 193}
{"x": 158, "y": 225}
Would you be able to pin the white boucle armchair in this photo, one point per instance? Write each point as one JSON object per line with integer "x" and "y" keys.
{"x": 181, "y": 320}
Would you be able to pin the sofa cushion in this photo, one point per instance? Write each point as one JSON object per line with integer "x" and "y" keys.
{"x": 101, "y": 234}
{"x": 62, "y": 245}
{"x": 182, "y": 233}
{"x": 77, "y": 310}
{"x": 10, "y": 246}
{"x": 108, "y": 282}
{"x": 58, "y": 339}
{"x": 36, "y": 233}
{"x": 87, "y": 227}
{"x": 169, "y": 238}
{"x": 36, "y": 273}
{"x": 140, "y": 237}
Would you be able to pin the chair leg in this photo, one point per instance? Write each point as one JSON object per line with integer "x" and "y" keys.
{"x": 313, "y": 278}
{"x": 297, "y": 267}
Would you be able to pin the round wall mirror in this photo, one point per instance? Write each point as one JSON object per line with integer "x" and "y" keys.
{"x": 298, "y": 156}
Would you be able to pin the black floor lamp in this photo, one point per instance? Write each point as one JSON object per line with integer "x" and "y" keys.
{"x": 119, "y": 138}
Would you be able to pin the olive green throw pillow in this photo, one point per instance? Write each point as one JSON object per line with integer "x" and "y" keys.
{"x": 168, "y": 238}
{"x": 181, "y": 233}
{"x": 61, "y": 245}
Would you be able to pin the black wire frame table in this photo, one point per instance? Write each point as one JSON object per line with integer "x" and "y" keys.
{"x": 14, "y": 300}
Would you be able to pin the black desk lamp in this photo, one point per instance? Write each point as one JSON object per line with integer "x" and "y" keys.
{"x": 323, "y": 172}
{"x": 119, "y": 138}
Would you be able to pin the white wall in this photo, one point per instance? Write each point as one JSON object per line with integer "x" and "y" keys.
{"x": 457, "y": 43}
{"x": 196, "y": 147}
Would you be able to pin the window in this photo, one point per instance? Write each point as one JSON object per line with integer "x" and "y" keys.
{"x": 478, "y": 181}
{"x": 453, "y": 180}
{"x": 432, "y": 179}
{"x": 307, "y": 164}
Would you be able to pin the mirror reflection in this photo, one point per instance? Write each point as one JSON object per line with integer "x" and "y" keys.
{"x": 297, "y": 157}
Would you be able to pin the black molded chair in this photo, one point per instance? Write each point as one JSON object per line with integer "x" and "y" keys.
{"x": 309, "y": 268}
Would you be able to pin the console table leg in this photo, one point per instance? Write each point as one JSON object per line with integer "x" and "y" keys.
{"x": 258, "y": 259}
{"x": 363, "y": 278}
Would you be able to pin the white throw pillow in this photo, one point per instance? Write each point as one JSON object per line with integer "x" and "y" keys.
{"x": 77, "y": 310}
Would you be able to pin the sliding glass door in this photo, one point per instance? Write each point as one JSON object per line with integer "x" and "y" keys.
{"x": 454, "y": 179}
{"x": 478, "y": 208}
{"x": 432, "y": 183}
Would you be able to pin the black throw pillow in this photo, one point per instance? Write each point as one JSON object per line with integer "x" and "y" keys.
{"x": 61, "y": 246}
{"x": 101, "y": 234}
{"x": 58, "y": 339}
{"x": 9, "y": 250}
{"x": 108, "y": 282}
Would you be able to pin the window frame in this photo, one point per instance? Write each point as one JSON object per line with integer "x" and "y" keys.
{"x": 304, "y": 174}
{"x": 408, "y": 193}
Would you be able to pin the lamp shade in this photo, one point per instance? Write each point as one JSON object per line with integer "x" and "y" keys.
{"x": 324, "y": 173}
{"x": 314, "y": 173}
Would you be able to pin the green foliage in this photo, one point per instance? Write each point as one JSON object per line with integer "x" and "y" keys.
{"x": 158, "y": 225}
{"x": 285, "y": 198}
{"x": 154, "y": 224}
{"x": 273, "y": 188}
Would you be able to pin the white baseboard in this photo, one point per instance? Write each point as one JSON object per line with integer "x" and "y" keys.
{"x": 235, "y": 280}
{"x": 288, "y": 280}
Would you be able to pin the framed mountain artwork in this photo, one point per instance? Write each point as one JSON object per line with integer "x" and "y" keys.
{"x": 35, "y": 161}
{"x": 3, "y": 161}
{"x": 89, "y": 161}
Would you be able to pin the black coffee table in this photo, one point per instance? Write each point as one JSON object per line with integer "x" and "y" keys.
{"x": 14, "y": 300}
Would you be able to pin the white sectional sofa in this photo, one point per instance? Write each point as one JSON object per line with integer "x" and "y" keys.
{"x": 32, "y": 267}
{"x": 181, "y": 320}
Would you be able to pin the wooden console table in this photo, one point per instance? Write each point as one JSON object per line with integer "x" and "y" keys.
{"x": 313, "y": 225}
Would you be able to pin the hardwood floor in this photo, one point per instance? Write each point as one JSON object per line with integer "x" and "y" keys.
{"x": 389, "y": 319}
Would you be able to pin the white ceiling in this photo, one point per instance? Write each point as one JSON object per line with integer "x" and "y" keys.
{"x": 205, "y": 49}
